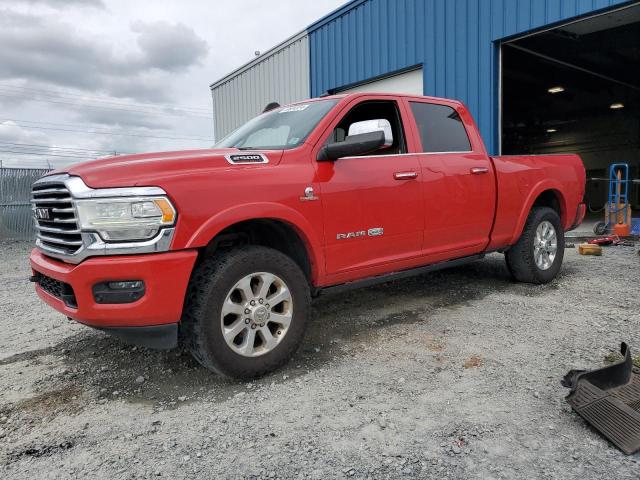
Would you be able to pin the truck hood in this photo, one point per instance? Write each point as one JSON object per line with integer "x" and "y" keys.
{"x": 149, "y": 169}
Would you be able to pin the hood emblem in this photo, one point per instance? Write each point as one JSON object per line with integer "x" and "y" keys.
{"x": 246, "y": 158}
{"x": 309, "y": 195}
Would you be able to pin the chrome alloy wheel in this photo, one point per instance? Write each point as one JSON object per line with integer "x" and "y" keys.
{"x": 256, "y": 314}
{"x": 545, "y": 245}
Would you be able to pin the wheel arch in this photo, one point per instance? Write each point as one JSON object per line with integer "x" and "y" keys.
{"x": 545, "y": 194}
{"x": 265, "y": 224}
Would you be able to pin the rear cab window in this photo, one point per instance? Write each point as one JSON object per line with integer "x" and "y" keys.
{"x": 440, "y": 128}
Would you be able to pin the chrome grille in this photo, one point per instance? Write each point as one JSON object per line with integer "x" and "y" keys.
{"x": 55, "y": 218}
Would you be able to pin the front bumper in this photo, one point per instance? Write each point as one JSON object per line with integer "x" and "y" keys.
{"x": 166, "y": 277}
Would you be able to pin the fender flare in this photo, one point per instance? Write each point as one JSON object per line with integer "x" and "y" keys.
{"x": 264, "y": 211}
{"x": 534, "y": 193}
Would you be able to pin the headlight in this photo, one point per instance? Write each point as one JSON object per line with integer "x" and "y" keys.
{"x": 127, "y": 218}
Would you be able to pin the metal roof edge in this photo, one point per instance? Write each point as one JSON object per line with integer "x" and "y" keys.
{"x": 338, "y": 12}
{"x": 262, "y": 57}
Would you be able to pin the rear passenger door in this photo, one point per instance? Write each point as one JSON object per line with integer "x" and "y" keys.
{"x": 458, "y": 184}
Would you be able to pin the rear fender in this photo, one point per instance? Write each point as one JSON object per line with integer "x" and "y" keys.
{"x": 536, "y": 191}
{"x": 264, "y": 210}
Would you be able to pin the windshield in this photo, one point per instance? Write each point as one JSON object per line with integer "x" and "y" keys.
{"x": 279, "y": 129}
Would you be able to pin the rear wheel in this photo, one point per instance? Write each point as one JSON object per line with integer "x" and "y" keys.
{"x": 537, "y": 256}
{"x": 246, "y": 311}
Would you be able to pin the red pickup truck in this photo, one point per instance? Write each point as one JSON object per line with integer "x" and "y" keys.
{"x": 222, "y": 250}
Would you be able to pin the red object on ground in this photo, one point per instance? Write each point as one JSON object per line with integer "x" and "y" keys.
{"x": 604, "y": 241}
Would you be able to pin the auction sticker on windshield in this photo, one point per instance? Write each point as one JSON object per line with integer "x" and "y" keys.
{"x": 295, "y": 108}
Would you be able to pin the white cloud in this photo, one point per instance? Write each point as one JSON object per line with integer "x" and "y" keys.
{"x": 46, "y": 49}
{"x": 10, "y": 132}
{"x": 165, "y": 51}
{"x": 169, "y": 47}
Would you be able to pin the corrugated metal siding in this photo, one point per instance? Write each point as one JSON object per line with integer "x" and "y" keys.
{"x": 280, "y": 75}
{"x": 453, "y": 39}
{"x": 16, "y": 220}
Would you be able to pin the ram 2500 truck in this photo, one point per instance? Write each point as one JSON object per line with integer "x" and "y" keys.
{"x": 222, "y": 250}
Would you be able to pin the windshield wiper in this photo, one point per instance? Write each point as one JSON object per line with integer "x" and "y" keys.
{"x": 260, "y": 148}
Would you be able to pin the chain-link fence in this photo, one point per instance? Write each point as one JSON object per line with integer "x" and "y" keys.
{"x": 16, "y": 220}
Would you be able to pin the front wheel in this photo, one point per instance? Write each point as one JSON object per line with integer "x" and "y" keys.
{"x": 246, "y": 311}
{"x": 537, "y": 256}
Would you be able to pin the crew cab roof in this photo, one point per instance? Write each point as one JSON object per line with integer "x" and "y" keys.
{"x": 341, "y": 96}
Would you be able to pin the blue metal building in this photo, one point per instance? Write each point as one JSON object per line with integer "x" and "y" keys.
{"x": 457, "y": 43}
{"x": 539, "y": 76}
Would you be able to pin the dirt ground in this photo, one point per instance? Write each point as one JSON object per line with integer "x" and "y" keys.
{"x": 449, "y": 375}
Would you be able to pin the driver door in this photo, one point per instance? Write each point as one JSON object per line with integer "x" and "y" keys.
{"x": 372, "y": 208}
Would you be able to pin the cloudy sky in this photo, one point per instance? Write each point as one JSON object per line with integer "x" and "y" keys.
{"x": 82, "y": 78}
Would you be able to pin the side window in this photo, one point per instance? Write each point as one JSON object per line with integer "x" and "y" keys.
{"x": 441, "y": 128}
{"x": 373, "y": 110}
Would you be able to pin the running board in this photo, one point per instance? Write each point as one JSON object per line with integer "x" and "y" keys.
{"x": 389, "y": 277}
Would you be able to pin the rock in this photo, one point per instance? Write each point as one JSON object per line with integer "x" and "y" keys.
{"x": 182, "y": 399}
{"x": 140, "y": 380}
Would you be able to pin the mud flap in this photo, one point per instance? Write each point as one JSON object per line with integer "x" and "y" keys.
{"x": 609, "y": 400}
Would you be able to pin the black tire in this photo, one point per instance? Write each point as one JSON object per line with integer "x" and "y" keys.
{"x": 520, "y": 258}
{"x": 210, "y": 284}
{"x": 600, "y": 228}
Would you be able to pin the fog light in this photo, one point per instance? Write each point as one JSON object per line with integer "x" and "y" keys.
{"x": 118, "y": 291}
{"x": 126, "y": 285}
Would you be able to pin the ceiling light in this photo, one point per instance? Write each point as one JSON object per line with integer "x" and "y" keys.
{"x": 616, "y": 106}
{"x": 551, "y": 130}
{"x": 557, "y": 89}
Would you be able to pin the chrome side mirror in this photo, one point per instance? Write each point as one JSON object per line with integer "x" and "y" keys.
{"x": 370, "y": 126}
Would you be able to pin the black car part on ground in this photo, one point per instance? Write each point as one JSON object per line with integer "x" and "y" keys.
{"x": 609, "y": 399}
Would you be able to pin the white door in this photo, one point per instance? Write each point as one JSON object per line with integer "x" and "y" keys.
{"x": 408, "y": 82}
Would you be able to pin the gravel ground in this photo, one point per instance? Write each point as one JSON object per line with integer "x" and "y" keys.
{"x": 449, "y": 375}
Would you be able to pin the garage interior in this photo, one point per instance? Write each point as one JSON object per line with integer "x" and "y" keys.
{"x": 576, "y": 89}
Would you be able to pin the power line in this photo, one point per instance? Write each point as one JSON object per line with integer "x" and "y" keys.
{"x": 79, "y": 125}
{"x": 102, "y": 132}
{"x": 43, "y": 154}
{"x": 61, "y": 94}
{"x": 10, "y": 94}
{"x": 48, "y": 147}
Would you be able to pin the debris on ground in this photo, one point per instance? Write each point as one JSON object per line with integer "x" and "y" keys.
{"x": 473, "y": 362}
{"x": 589, "y": 249}
{"x": 608, "y": 398}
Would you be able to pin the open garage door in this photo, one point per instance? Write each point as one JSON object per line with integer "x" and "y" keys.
{"x": 576, "y": 89}
{"x": 410, "y": 82}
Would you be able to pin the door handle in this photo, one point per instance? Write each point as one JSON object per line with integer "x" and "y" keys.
{"x": 479, "y": 170}
{"x": 405, "y": 175}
